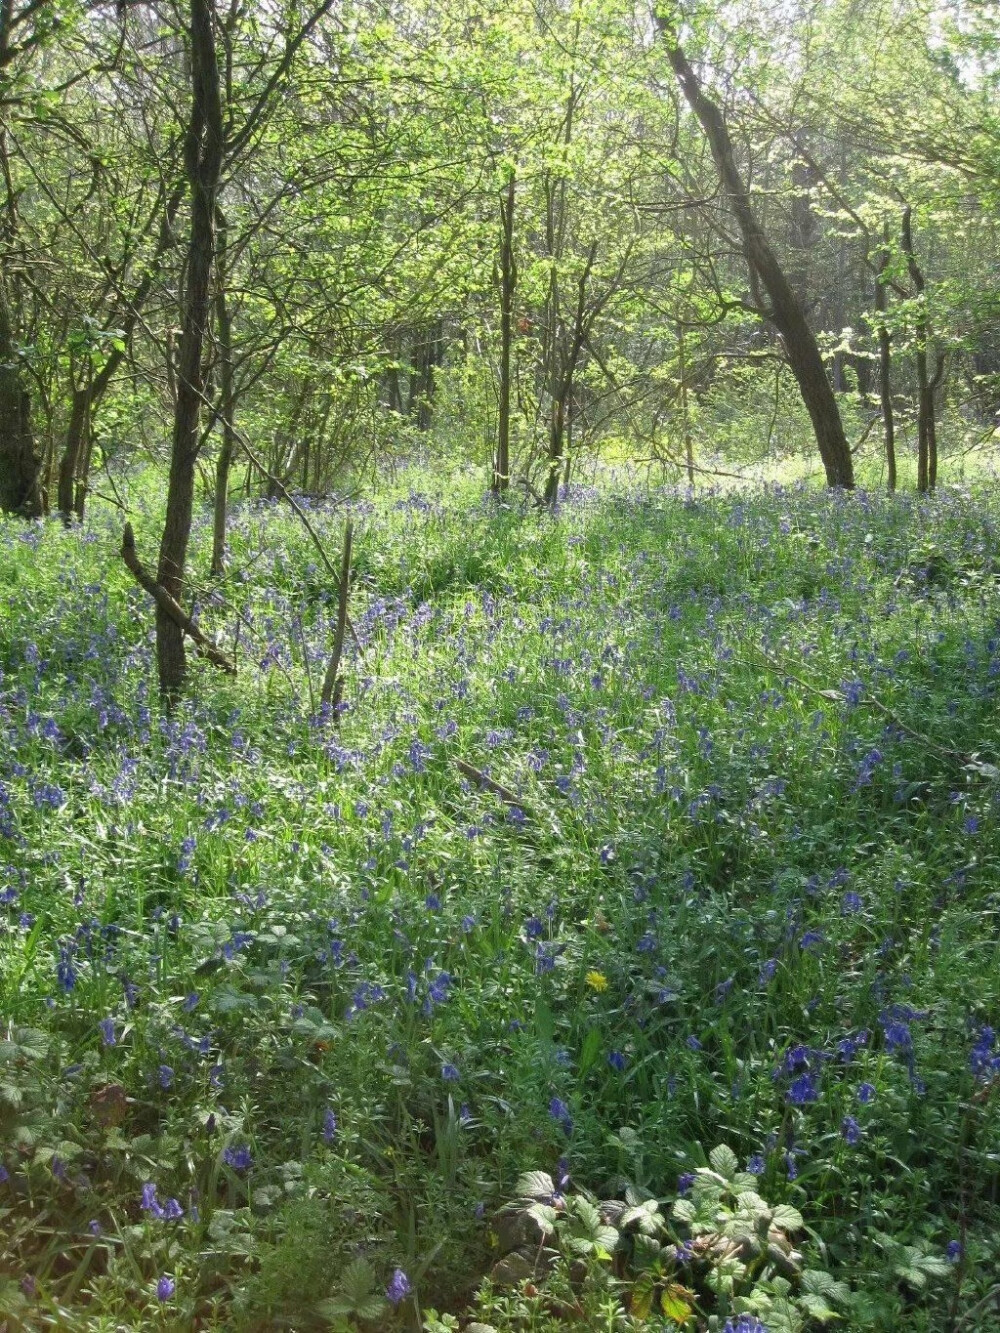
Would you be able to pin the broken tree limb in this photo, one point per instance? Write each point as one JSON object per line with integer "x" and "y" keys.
{"x": 481, "y": 779}
{"x": 170, "y": 607}
{"x": 333, "y": 682}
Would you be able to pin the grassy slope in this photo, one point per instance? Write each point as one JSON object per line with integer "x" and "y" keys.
{"x": 265, "y": 906}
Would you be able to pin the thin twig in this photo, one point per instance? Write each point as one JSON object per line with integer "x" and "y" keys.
{"x": 836, "y": 696}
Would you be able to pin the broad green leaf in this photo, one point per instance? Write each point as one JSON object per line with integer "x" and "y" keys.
{"x": 787, "y": 1218}
{"x": 724, "y": 1161}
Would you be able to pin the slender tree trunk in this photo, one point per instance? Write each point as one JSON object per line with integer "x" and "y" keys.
{"x": 20, "y": 464}
{"x": 508, "y": 284}
{"x": 203, "y": 153}
{"x": 926, "y": 434}
{"x": 786, "y": 312}
{"x": 224, "y": 333}
{"x": 74, "y": 465}
{"x": 885, "y": 368}
{"x": 685, "y": 415}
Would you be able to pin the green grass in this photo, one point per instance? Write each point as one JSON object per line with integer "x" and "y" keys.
{"x": 748, "y": 860}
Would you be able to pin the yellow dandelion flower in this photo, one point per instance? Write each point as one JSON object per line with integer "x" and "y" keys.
{"x": 596, "y": 981}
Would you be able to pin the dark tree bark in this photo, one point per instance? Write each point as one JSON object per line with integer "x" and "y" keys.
{"x": 786, "y": 312}
{"x": 927, "y": 384}
{"x": 885, "y": 367}
{"x": 203, "y": 154}
{"x": 508, "y": 284}
{"x": 20, "y": 464}
{"x": 564, "y": 363}
{"x": 227, "y": 403}
{"x": 74, "y": 464}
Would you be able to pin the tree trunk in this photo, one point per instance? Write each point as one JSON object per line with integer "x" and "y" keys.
{"x": 885, "y": 368}
{"x": 74, "y": 466}
{"x": 203, "y": 152}
{"x": 786, "y": 311}
{"x": 926, "y": 386}
{"x": 227, "y": 395}
{"x": 20, "y": 464}
{"x": 508, "y": 283}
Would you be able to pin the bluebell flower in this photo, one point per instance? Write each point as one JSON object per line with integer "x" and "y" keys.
{"x": 559, "y": 1112}
{"x": 692, "y": 1043}
{"x": 238, "y": 1157}
{"x": 450, "y": 1073}
{"x": 756, "y": 1166}
{"x": 744, "y": 1323}
{"x": 954, "y": 1251}
{"x": 329, "y": 1125}
{"x": 165, "y": 1288}
{"x": 107, "y": 1027}
{"x": 617, "y": 1061}
{"x": 803, "y": 1089}
{"x": 850, "y": 1131}
{"x": 684, "y": 1182}
{"x": 983, "y": 1061}
{"x": 150, "y": 1203}
{"x": 399, "y": 1288}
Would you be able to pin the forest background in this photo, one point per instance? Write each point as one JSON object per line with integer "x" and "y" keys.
{"x": 580, "y": 907}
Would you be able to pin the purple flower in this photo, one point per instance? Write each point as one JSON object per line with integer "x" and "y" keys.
{"x": 151, "y": 1204}
{"x": 329, "y": 1125}
{"x": 399, "y": 1287}
{"x": 165, "y": 1288}
{"x": 866, "y": 1093}
{"x": 684, "y": 1182}
{"x": 617, "y": 1061}
{"x": 692, "y": 1043}
{"x": 803, "y": 1089}
{"x": 94, "y": 1227}
{"x": 559, "y": 1112}
{"x": 744, "y": 1323}
{"x": 449, "y": 1072}
{"x": 165, "y": 1076}
{"x": 239, "y": 1158}
{"x": 954, "y": 1251}
{"x": 850, "y": 1131}
{"x": 107, "y": 1027}
{"x": 983, "y": 1061}
{"x": 756, "y": 1165}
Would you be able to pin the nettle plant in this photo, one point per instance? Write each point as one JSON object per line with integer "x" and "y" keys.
{"x": 721, "y": 1255}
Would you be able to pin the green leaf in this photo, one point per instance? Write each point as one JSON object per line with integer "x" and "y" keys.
{"x": 684, "y": 1210}
{"x": 357, "y": 1281}
{"x": 787, "y": 1218}
{"x": 724, "y": 1161}
{"x": 535, "y": 1185}
{"x": 677, "y": 1303}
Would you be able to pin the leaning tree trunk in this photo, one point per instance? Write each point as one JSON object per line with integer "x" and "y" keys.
{"x": 786, "y": 312}
{"x": 203, "y": 151}
{"x": 20, "y": 465}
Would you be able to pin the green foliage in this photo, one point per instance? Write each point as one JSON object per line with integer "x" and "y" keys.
{"x": 723, "y": 919}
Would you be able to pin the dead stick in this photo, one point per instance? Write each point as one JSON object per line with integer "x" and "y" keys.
{"x": 332, "y": 680}
{"x": 170, "y": 607}
{"x": 836, "y": 696}
{"x": 478, "y": 776}
{"x": 277, "y": 482}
